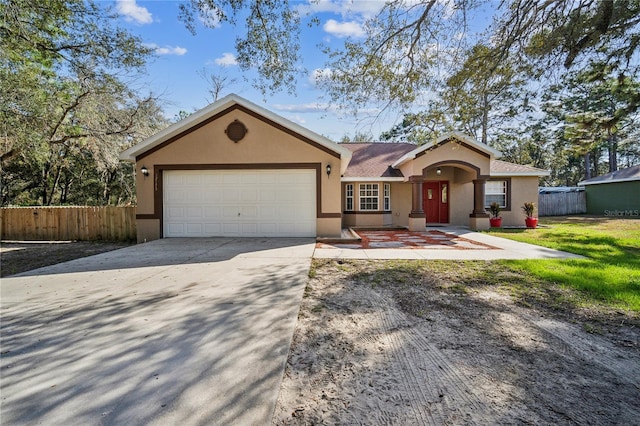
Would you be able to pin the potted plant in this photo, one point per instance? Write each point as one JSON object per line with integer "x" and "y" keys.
{"x": 528, "y": 209}
{"x": 495, "y": 220}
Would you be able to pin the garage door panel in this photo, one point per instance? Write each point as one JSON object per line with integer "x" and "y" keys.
{"x": 229, "y": 195}
{"x": 212, "y": 212}
{"x": 250, "y": 195}
{"x": 249, "y": 212}
{"x": 194, "y": 212}
{"x": 213, "y": 228}
{"x": 239, "y": 203}
{"x": 174, "y": 212}
{"x": 229, "y": 212}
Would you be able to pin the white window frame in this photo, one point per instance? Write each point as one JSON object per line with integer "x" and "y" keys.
{"x": 348, "y": 197}
{"x": 387, "y": 197}
{"x": 369, "y": 196}
{"x": 493, "y": 191}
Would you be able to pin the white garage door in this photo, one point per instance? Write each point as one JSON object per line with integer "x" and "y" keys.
{"x": 247, "y": 203}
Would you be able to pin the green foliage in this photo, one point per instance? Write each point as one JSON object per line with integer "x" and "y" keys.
{"x": 270, "y": 43}
{"x": 65, "y": 112}
{"x": 611, "y": 271}
{"x": 358, "y": 137}
{"x": 494, "y": 209}
{"x": 528, "y": 208}
{"x": 593, "y": 113}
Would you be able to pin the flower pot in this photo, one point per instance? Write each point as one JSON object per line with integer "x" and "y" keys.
{"x": 495, "y": 222}
{"x": 531, "y": 222}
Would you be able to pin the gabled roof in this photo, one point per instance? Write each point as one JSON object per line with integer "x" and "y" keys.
{"x": 374, "y": 159}
{"x": 623, "y": 175}
{"x": 492, "y": 153}
{"x": 200, "y": 116}
{"x": 499, "y": 168}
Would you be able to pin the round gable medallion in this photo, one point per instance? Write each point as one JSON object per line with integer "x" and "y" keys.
{"x": 236, "y": 131}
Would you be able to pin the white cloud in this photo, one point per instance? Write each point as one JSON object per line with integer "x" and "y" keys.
{"x": 226, "y": 60}
{"x": 343, "y": 29}
{"x": 132, "y": 12}
{"x": 346, "y": 8}
{"x": 167, "y": 50}
{"x": 298, "y": 119}
{"x": 209, "y": 16}
{"x": 319, "y": 74}
{"x": 303, "y": 108}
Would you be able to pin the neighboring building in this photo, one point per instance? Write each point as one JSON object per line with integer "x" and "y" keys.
{"x": 236, "y": 169}
{"x": 616, "y": 194}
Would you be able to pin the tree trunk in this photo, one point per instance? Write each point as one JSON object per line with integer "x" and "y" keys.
{"x": 587, "y": 166}
{"x": 56, "y": 182}
{"x": 485, "y": 118}
{"x": 44, "y": 190}
{"x": 612, "y": 144}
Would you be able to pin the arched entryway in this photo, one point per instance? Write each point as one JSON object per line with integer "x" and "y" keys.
{"x": 448, "y": 192}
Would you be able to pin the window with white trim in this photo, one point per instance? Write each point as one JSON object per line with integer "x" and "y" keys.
{"x": 387, "y": 197}
{"x": 348, "y": 197}
{"x": 495, "y": 191}
{"x": 369, "y": 196}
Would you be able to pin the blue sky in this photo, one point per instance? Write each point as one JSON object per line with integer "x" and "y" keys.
{"x": 180, "y": 56}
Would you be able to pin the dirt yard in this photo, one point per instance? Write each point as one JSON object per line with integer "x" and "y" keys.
{"x": 21, "y": 256}
{"x": 378, "y": 343}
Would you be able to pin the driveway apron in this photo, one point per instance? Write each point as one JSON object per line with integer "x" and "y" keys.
{"x": 175, "y": 331}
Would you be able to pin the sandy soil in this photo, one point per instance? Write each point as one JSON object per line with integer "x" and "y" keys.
{"x": 21, "y": 256}
{"x": 373, "y": 351}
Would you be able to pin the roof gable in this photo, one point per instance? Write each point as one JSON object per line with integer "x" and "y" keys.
{"x": 466, "y": 141}
{"x": 222, "y": 107}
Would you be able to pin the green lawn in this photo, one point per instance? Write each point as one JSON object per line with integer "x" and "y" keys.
{"x": 611, "y": 272}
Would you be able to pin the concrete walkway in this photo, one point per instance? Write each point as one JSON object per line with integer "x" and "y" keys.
{"x": 176, "y": 331}
{"x": 501, "y": 248}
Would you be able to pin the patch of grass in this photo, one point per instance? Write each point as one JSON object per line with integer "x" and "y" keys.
{"x": 610, "y": 274}
{"x": 317, "y": 308}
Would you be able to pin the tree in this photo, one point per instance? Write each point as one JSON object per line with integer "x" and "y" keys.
{"x": 409, "y": 45}
{"x": 484, "y": 93}
{"x": 594, "y": 114}
{"x": 421, "y": 127}
{"x": 358, "y": 137}
{"x": 217, "y": 83}
{"x": 270, "y": 44}
{"x": 65, "y": 110}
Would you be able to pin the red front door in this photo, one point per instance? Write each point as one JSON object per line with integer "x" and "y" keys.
{"x": 435, "y": 197}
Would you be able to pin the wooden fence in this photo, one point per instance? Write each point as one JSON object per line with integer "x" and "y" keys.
{"x": 68, "y": 223}
{"x": 562, "y": 203}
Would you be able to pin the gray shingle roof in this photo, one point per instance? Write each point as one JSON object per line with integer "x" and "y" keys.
{"x": 623, "y": 175}
{"x": 374, "y": 159}
{"x": 499, "y": 167}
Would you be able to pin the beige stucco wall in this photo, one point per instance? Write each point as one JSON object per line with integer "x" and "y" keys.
{"x": 448, "y": 152}
{"x": 523, "y": 189}
{"x": 400, "y": 203}
{"x": 461, "y": 203}
{"x": 147, "y": 229}
{"x": 400, "y": 207}
{"x": 263, "y": 144}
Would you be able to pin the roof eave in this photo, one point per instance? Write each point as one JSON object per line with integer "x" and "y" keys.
{"x": 493, "y": 153}
{"x": 220, "y": 105}
{"x": 522, "y": 174}
{"x": 371, "y": 179}
{"x": 585, "y": 183}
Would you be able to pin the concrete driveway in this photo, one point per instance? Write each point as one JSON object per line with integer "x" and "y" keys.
{"x": 176, "y": 331}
